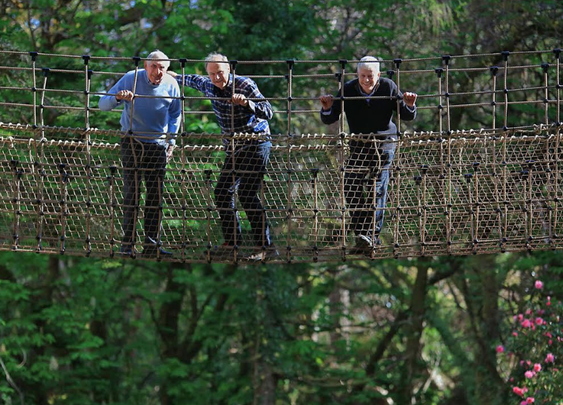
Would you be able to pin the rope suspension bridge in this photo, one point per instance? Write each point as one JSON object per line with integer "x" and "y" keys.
{"x": 452, "y": 190}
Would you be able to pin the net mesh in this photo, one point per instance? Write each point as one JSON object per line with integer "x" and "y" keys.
{"x": 290, "y": 196}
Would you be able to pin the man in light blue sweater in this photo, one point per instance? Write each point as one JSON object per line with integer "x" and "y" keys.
{"x": 150, "y": 120}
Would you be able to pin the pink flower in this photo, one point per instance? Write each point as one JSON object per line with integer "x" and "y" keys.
{"x": 523, "y": 403}
{"x": 550, "y": 342}
{"x": 515, "y": 334}
{"x": 529, "y": 374}
{"x": 500, "y": 349}
{"x": 550, "y": 358}
{"x": 539, "y": 285}
{"x": 518, "y": 391}
{"x": 530, "y": 400}
{"x": 537, "y": 367}
{"x": 526, "y": 323}
{"x": 539, "y": 321}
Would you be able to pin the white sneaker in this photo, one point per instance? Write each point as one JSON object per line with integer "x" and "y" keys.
{"x": 264, "y": 255}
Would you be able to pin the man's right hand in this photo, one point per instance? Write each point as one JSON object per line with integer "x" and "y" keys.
{"x": 124, "y": 95}
{"x": 326, "y": 102}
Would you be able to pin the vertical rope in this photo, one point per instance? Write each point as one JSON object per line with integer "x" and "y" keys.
{"x": 505, "y": 202}
{"x": 423, "y": 213}
{"x": 397, "y": 63}
{"x": 341, "y": 144}
{"x": 42, "y": 139}
{"x": 16, "y": 201}
{"x": 475, "y": 209}
{"x": 88, "y": 143}
{"x": 290, "y": 73}
{"x": 468, "y": 177}
{"x": 419, "y": 197}
{"x": 208, "y": 174}
{"x": 112, "y": 207}
{"x": 39, "y": 169}
{"x": 233, "y": 65}
{"x": 528, "y": 204}
{"x": 184, "y": 171}
{"x": 314, "y": 181}
{"x": 557, "y": 197}
{"x": 449, "y": 188}
{"x": 558, "y": 86}
{"x": 545, "y": 68}
{"x": 131, "y": 138}
{"x": 494, "y": 72}
{"x": 446, "y": 59}
{"x": 63, "y": 178}
{"x": 34, "y": 86}
{"x": 505, "y": 55}
{"x": 549, "y": 153}
{"x": 443, "y": 166}
{"x": 397, "y": 161}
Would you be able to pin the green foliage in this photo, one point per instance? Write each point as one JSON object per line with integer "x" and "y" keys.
{"x": 84, "y": 331}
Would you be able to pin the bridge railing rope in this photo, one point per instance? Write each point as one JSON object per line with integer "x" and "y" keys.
{"x": 452, "y": 191}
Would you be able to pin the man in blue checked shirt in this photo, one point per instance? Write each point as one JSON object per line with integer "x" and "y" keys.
{"x": 240, "y": 108}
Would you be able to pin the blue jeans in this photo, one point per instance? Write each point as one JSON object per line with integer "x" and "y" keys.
{"x": 363, "y": 163}
{"x": 243, "y": 173}
{"x": 142, "y": 160}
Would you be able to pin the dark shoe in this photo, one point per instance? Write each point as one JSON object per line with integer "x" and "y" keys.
{"x": 152, "y": 251}
{"x": 127, "y": 250}
{"x": 264, "y": 255}
{"x": 364, "y": 242}
{"x": 224, "y": 252}
{"x": 365, "y": 245}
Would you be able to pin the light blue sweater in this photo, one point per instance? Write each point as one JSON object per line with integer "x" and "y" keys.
{"x": 156, "y": 115}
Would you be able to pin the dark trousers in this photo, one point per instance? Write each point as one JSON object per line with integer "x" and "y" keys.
{"x": 243, "y": 174}
{"x": 146, "y": 161}
{"x": 363, "y": 167}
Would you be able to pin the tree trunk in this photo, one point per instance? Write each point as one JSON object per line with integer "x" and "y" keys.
{"x": 414, "y": 334}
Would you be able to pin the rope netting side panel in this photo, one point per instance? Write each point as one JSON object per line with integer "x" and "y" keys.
{"x": 71, "y": 185}
{"x": 499, "y": 191}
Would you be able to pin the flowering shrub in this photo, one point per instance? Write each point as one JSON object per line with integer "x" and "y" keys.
{"x": 535, "y": 351}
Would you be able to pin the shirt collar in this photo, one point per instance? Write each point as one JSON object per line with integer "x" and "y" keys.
{"x": 373, "y": 91}
{"x": 147, "y": 79}
{"x": 227, "y": 87}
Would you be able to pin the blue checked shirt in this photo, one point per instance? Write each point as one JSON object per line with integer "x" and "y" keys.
{"x": 251, "y": 119}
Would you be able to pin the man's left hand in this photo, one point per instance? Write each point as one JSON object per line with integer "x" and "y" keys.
{"x": 410, "y": 98}
{"x": 240, "y": 99}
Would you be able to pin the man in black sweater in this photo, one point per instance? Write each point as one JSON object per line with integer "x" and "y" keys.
{"x": 369, "y": 103}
